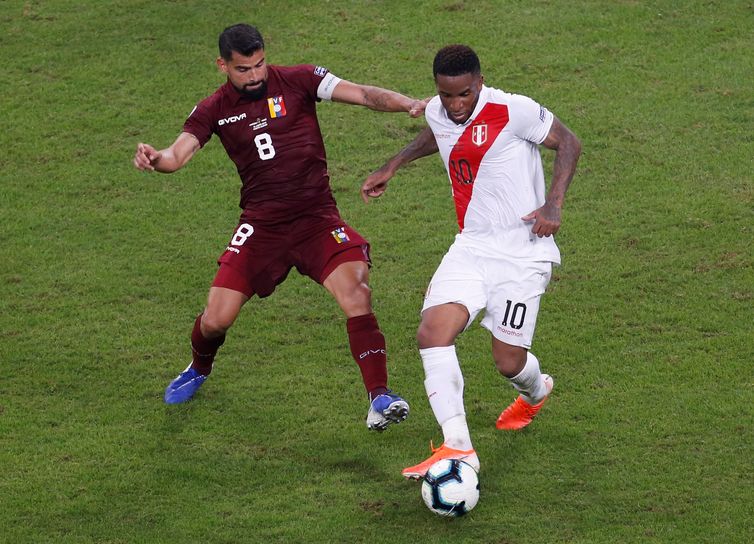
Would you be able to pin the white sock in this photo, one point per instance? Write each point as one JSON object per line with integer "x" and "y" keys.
{"x": 444, "y": 385}
{"x": 530, "y": 382}
{"x": 455, "y": 432}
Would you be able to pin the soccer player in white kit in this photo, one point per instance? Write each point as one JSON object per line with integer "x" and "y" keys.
{"x": 502, "y": 258}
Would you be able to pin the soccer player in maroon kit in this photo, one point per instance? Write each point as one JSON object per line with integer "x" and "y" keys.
{"x": 265, "y": 117}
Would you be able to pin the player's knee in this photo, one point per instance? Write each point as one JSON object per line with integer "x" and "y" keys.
{"x": 429, "y": 336}
{"x": 511, "y": 362}
{"x": 357, "y": 300}
{"x": 215, "y": 324}
{"x": 362, "y": 293}
{"x": 423, "y": 337}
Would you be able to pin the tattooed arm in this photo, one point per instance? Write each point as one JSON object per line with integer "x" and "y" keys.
{"x": 546, "y": 220}
{"x": 376, "y": 183}
{"x": 376, "y": 98}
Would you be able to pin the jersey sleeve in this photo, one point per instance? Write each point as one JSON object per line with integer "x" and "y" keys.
{"x": 317, "y": 81}
{"x": 531, "y": 121}
{"x": 199, "y": 123}
{"x": 432, "y": 113}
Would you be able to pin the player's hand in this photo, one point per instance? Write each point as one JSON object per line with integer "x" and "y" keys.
{"x": 146, "y": 157}
{"x": 375, "y": 184}
{"x": 417, "y": 107}
{"x": 546, "y": 220}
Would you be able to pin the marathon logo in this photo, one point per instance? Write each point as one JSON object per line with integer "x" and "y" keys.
{"x": 509, "y": 332}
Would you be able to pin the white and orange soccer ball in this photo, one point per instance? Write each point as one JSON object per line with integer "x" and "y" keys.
{"x": 450, "y": 488}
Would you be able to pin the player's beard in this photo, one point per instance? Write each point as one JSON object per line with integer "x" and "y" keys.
{"x": 254, "y": 94}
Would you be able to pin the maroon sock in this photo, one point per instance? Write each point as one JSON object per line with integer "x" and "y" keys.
{"x": 368, "y": 350}
{"x": 203, "y": 349}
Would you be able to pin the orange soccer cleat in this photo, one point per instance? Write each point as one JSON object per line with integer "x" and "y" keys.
{"x": 417, "y": 472}
{"x": 520, "y": 413}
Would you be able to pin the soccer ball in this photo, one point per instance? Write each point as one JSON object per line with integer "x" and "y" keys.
{"x": 450, "y": 488}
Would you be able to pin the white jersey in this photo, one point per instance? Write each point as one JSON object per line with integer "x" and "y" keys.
{"x": 496, "y": 173}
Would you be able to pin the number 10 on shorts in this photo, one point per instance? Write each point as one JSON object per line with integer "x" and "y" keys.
{"x": 242, "y": 234}
{"x": 516, "y": 318}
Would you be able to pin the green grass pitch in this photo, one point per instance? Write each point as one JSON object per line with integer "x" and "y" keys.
{"x": 646, "y": 327}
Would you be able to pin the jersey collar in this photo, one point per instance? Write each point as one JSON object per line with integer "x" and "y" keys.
{"x": 235, "y": 97}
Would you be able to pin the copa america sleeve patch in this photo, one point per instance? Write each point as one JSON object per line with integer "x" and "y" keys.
{"x": 542, "y": 113}
{"x": 327, "y": 86}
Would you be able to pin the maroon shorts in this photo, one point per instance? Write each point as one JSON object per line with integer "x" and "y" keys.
{"x": 259, "y": 257}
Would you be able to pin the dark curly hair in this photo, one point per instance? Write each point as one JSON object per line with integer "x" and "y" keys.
{"x": 241, "y": 38}
{"x": 456, "y": 60}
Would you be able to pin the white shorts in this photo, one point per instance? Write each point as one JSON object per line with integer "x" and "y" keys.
{"x": 509, "y": 291}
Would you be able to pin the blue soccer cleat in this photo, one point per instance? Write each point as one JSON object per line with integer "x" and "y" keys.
{"x": 386, "y": 409}
{"x": 184, "y": 386}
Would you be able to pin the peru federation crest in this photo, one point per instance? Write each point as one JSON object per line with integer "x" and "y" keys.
{"x": 479, "y": 134}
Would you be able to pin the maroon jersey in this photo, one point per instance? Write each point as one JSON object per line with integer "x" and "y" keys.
{"x": 275, "y": 142}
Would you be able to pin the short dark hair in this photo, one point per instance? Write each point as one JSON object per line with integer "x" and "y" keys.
{"x": 456, "y": 60}
{"x": 241, "y": 38}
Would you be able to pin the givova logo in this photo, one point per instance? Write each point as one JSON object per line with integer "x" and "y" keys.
{"x": 369, "y": 352}
{"x": 231, "y": 119}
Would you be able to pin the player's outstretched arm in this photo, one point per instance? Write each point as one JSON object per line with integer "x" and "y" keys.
{"x": 567, "y": 150}
{"x": 376, "y": 183}
{"x": 169, "y": 159}
{"x": 376, "y": 98}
